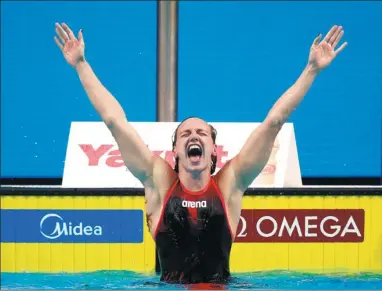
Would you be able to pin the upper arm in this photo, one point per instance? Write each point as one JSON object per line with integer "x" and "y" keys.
{"x": 253, "y": 156}
{"x": 153, "y": 171}
{"x": 135, "y": 154}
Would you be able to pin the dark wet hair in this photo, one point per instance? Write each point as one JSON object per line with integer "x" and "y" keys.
{"x": 213, "y": 135}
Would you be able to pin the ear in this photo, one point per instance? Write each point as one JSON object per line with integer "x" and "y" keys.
{"x": 215, "y": 150}
{"x": 175, "y": 153}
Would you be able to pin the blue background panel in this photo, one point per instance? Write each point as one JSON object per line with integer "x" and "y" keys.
{"x": 235, "y": 60}
{"x": 71, "y": 226}
{"x": 41, "y": 93}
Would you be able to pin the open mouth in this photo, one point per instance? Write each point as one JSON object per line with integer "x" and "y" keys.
{"x": 194, "y": 152}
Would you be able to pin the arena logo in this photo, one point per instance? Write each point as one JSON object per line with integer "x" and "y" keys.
{"x": 111, "y": 156}
{"x": 301, "y": 226}
{"x": 194, "y": 204}
{"x": 62, "y": 228}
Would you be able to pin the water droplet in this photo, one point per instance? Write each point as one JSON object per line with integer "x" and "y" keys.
{"x": 140, "y": 53}
{"x": 25, "y": 136}
{"x": 35, "y": 142}
{"x": 36, "y": 156}
{"x": 54, "y": 140}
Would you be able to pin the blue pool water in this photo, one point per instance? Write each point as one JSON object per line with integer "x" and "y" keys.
{"x": 118, "y": 280}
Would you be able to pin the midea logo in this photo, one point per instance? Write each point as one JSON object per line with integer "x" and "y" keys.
{"x": 63, "y": 228}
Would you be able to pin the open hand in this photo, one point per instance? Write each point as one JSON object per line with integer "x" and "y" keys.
{"x": 72, "y": 48}
{"x": 323, "y": 53}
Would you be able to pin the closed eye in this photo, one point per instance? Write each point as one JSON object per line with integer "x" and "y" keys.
{"x": 185, "y": 133}
{"x": 202, "y": 133}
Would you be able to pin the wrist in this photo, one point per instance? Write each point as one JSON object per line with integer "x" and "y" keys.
{"x": 80, "y": 65}
{"x": 311, "y": 69}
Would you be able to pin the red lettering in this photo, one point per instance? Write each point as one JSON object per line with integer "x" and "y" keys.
{"x": 220, "y": 154}
{"x": 94, "y": 155}
{"x": 269, "y": 169}
{"x": 115, "y": 159}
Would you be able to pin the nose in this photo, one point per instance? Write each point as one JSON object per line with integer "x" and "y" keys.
{"x": 194, "y": 137}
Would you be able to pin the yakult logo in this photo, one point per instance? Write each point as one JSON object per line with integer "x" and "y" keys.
{"x": 63, "y": 228}
{"x": 291, "y": 225}
{"x": 111, "y": 156}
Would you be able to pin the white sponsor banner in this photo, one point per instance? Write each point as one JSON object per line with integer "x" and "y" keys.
{"x": 93, "y": 159}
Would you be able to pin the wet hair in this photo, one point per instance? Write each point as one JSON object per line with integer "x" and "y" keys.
{"x": 213, "y": 135}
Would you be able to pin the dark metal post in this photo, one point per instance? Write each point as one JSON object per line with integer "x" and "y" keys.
{"x": 167, "y": 60}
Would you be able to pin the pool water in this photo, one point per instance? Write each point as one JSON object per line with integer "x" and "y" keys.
{"x": 118, "y": 280}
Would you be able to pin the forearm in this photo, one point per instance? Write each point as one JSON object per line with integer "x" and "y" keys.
{"x": 103, "y": 101}
{"x": 258, "y": 147}
{"x": 288, "y": 102}
{"x": 136, "y": 156}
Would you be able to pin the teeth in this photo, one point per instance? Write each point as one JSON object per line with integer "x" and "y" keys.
{"x": 194, "y": 147}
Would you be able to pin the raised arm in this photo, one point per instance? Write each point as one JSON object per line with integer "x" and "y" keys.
{"x": 137, "y": 157}
{"x": 257, "y": 149}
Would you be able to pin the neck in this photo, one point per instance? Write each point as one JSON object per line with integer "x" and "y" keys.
{"x": 194, "y": 181}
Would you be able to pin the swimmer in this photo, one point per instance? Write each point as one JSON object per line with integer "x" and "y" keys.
{"x": 192, "y": 214}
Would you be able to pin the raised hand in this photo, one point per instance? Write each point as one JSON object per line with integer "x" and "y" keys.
{"x": 323, "y": 53}
{"x": 72, "y": 48}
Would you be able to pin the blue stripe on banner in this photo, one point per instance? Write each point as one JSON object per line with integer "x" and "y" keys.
{"x": 72, "y": 226}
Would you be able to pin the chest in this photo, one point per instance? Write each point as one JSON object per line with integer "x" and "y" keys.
{"x": 193, "y": 213}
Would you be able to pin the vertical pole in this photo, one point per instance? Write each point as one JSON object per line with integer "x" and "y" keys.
{"x": 167, "y": 66}
{"x": 167, "y": 60}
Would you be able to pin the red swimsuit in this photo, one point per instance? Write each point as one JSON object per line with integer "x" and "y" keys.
{"x": 193, "y": 236}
